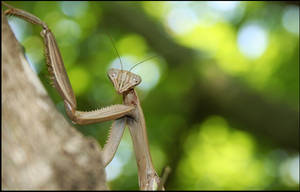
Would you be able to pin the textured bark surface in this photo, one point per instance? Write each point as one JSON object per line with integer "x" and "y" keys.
{"x": 40, "y": 149}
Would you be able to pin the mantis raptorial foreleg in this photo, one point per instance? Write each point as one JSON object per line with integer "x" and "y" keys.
{"x": 62, "y": 84}
{"x": 60, "y": 78}
{"x": 114, "y": 138}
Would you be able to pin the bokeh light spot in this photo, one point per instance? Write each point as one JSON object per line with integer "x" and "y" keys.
{"x": 74, "y": 8}
{"x": 150, "y": 74}
{"x": 252, "y": 40}
{"x": 80, "y": 80}
{"x": 228, "y": 10}
{"x": 68, "y": 29}
{"x": 294, "y": 169}
{"x": 224, "y": 6}
{"x": 181, "y": 19}
{"x": 160, "y": 8}
{"x": 290, "y": 19}
{"x": 217, "y": 155}
{"x": 114, "y": 168}
{"x": 289, "y": 171}
{"x": 132, "y": 45}
{"x": 127, "y": 62}
{"x": 34, "y": 51}
{"x": 19, "y": 27}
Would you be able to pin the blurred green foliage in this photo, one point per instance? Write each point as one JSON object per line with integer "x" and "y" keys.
{"x": 255, "y": 43}
{"x": 219, "y": 157}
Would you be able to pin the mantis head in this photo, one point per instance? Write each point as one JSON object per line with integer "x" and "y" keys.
{"x": 123, "y": 80}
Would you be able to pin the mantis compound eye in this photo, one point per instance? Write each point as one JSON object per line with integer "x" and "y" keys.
{"x": 136, "y": 80}
{"x": 113, "y": 75}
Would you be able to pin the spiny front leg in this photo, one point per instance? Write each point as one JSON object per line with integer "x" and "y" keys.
{"x": 105, "y": 114}
{"x": 60, "y": 78}
{"x": 113, "y": 141}
{"x": 63, "y": 85}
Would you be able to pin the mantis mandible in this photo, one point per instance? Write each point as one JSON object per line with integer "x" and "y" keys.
{"x": 129, "y": 113}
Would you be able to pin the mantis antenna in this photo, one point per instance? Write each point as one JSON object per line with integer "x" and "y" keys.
{"x": 142, "y": 62}
{"x": 10, "y": 7}
{"x": 112, "y": 41}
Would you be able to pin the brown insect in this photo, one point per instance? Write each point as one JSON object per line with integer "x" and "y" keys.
{"x": 129, "y": 113}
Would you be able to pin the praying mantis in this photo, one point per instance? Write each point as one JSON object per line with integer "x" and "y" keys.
{"x": 129, "y": 113}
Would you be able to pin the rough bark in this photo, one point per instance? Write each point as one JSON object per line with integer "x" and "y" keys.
{"x": 40, "y": 149}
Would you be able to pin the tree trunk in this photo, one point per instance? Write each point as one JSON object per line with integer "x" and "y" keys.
{"x": 40, "y": 150}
